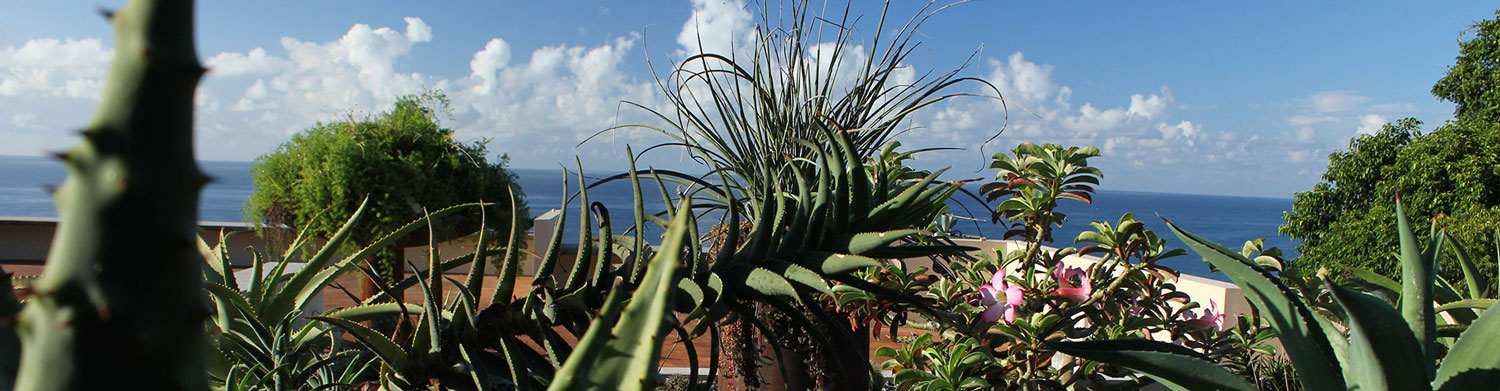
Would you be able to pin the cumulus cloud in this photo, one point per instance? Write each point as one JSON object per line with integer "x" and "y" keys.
{"x": 1369, "y": 124}
{"x": 717, "y": 26}
{"x": 69, "y": 68}
{"x": 1335, "y": 101}
{"x": 24, "y": 121}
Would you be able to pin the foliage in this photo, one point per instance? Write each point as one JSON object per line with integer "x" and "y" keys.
{"x": 402, "y": 159}
{"x": 1473, "y": 82}
{"x": 1447, "y": 173}
{"x": 797, "y": 138}
{"x": 1380, "y": 347}
{"x": 1003, "y": 312}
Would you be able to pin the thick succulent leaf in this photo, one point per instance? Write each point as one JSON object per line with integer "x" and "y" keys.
{"x": 1418, "y": 269}
{"x": 800, "y": 275}
{"x": 1475, "y": 304}
{"x": 1302, "y": 335}
{"x": 1171, "y": 364}
{"x": 388, "y": 352}
{"x": 1473, "y": 362}
{"x": 366, "y": 312}
{"x": 762, "y": 281}
{"x": 862, "y": 242}
{"x": 1374, "y": 278}
{"x": 625, "y": 358}
{"x": 1466, "y": 263}
{"x": 1383, "y": 353}
{"x": 834, "y": 263}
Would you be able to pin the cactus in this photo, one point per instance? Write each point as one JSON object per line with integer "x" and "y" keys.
{"x": 121, "y": 305}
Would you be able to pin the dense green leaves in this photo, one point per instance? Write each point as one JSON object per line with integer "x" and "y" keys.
{"x": 402, "y": 159}
{"x": 1473, "y": 82}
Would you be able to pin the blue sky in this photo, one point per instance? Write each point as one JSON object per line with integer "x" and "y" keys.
{"x": 1242, "y": 98}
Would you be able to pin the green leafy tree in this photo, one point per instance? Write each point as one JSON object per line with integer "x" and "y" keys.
{"x": 1474, "y": 81}
{"x": 402, "y": 159}
{"x": 1448, "y": 175}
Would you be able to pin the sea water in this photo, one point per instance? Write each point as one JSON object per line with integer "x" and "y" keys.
{"x": 1228, "y": 220}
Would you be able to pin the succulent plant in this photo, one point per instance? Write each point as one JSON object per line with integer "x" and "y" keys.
{"x": 1381, "y": 347}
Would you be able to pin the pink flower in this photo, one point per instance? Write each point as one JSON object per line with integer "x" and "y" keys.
{"x": 1210, "y": 317}
{"x": 1073, "y": 283}
{"x": 1000, "y": 298}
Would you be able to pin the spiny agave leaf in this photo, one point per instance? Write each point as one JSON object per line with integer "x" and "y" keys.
{"x": 1306, "y": 342}
{"x": 1384, "y": 355}
{"x": 1472, "y": 363}
{"x": 1372, "y": 277}
{"x": 626, "y": 358}
{"x": 366, "y": 312}
{"x": 1478, "y": 304}
{"x": 694, "y": 298}
{"x": 1178, "y": 367}
{"x": 1417, "y": 273}
{"x": 554, "y": 246}
{"x": 861, "y": 242}
{"x": 833, "y": 263}
{"x": 313, "y": 278}
{"x": 475, "y": 280}
{"x": 388, "y": 352}
{"x": 1466, "y": 263}
{"x": 585, "y": 235}
{"x": 799, "y": 275}
{"x": 506, "y": 278}
{"x": 762, "y": 281}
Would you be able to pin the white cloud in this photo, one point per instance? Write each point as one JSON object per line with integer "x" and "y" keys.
{"x": 24, "y": 121}
{"x": 486, "y": 62}
{"x": 717, "y": 26}
{"x": 70, "y": 68}
{"x": 1370, "y": 123}
{"x": 1335, "y": 101}
{"x": 256, "y": 62}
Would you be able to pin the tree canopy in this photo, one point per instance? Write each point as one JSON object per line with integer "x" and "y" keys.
{"x": 1473, "y": 82}
{"x": 1451, "y": 175}
{"x": 402, "y": 159}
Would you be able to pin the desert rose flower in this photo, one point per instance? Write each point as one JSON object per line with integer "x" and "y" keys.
{"x": 1000, "y": 299}
{"x": 1210, "y": 317}
{"x": 1073, "y": 283}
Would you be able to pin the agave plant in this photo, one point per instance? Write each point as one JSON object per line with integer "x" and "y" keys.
{"x": 261, "y": 339}
{"x": 1382, "y": 348}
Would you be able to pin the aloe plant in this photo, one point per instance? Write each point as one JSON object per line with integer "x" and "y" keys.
{"x": 1383, "y": 348}
{"x": 261, "y": 338}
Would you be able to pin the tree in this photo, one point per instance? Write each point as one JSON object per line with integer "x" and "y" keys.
{"x": 1448, "y": 175}
{"x": 402, "y": 159}
{"x": 1473, "y": 82}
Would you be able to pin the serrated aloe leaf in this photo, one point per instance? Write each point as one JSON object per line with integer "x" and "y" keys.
{"x": 1306, "y": 343}
{"x": 625, "y": 357}
{"x": 1465, "y": 263}
{"x": 1383, "y": 355}
{"x": 1474, "y": 304}
{"x": 554, "y": 245}
{"x": 366, "y": 312}
{"x": 388, "y": 352}
{"x": 862, "y": 242}
{"x": 1176, "y": 366}
{"x": 313, "y": 278}
{"x": 1417, "y": 274}
{"x": 506, "y": 279}
{"x": 834, "y": 263}
{"x": 1472, "y": 363}
{"x": 764, "y": 282}
{"x": 800, "y": 275}
{"x": 1372, "y": 277}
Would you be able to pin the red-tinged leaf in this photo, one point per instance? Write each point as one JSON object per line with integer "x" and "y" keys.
{"x": 1084, "y": 197}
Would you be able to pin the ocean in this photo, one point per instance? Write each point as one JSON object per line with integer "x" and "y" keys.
{"x": 1229, "y": 220}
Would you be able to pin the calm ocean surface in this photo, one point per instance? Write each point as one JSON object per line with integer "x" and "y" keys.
{"x": 1225, "y": 219}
